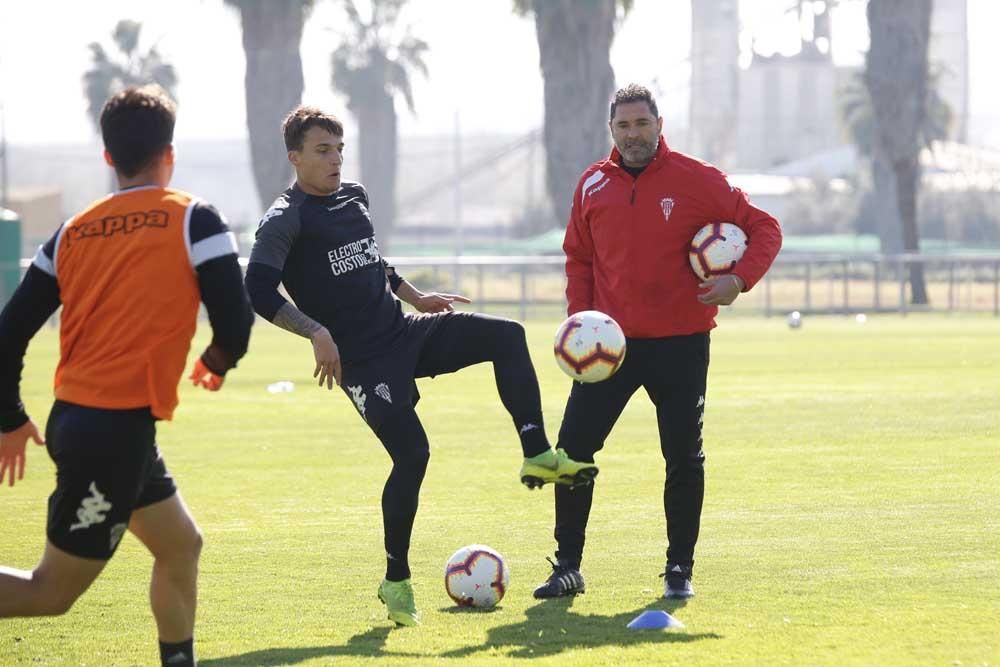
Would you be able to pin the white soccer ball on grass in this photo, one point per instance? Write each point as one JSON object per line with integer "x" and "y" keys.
{"x": 476, "y": 576}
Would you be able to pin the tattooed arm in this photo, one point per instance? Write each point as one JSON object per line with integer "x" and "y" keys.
{"x": 325, "y": 350}
{"x": 262, "y": 285}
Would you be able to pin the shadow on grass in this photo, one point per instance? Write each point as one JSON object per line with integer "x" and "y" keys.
{"x": 551, "y": 627}
{"x": 370, "y": 643}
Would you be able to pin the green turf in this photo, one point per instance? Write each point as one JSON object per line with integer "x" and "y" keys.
{"x": 851, "y": 514}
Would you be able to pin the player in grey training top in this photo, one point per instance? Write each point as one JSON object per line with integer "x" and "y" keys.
{"x": 318, "y": 240}
{"x": 325, "y": 251}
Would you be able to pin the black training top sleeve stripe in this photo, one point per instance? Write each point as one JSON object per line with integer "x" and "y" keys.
{"x": 262, "y": 283}
{"x": 206, "y": 221}
{"x": 225, "y": 299}
{"x": 208, "y": 234}
{"x": 45, "y": 258}
{"x": 32, "y": 303}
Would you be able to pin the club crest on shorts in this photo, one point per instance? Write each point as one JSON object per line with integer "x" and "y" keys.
{"x": 667, "y": 204}
{"x": 382, "y": 389}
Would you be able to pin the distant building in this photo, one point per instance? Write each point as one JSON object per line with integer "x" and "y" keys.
{"x": 715, "y": 27}
{"x": 788, "y": 108}
{"x": 788, "y": 105}
{"x": 949, "y": 57}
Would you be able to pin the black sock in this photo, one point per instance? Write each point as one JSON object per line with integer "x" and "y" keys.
{"x": 533, "y": 440}
{"x": 396, "y": 569}
{"x": 180, "y": 654}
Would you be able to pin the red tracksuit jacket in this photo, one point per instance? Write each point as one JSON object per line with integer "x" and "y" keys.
{"x": 627, "y": 242}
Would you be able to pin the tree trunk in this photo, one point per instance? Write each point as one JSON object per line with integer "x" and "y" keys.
{"x": 272, "y": 32}
{"x": 377, "y": 139}
{"x": 896, "y": 75}
{"x": 574, "y": 44}
{"x": 907, "y": 171}
{"x": 887, "y": 218}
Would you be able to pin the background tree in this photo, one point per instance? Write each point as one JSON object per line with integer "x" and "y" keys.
{"x": 856, "y": 115}
{"x": 574, "y": 46}
{"x": 372, "y": 65}
{"x": 110, "y": 73}
{"x": 272, "y": 33}
{"x": 896, "y": 75}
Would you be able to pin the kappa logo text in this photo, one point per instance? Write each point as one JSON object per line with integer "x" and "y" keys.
{"x": 118, "y": 224}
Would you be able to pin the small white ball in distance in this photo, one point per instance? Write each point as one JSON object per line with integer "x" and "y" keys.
{"x": 589, "y": 346}
{"x": 476, "y": 576}
{"x": 794, "y": 319}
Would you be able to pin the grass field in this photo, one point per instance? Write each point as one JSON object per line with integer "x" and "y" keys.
{"x": 852, "y": 514}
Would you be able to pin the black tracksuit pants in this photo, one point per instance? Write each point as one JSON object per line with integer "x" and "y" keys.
{"x": 673, "y": 371}
{"x": 385, "y": 394}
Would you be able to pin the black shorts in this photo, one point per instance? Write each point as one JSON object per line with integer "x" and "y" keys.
{"x": 434, "y": 344}
{"x": 107, "y": 466}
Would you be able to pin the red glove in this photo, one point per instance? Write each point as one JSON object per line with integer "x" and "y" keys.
{"x": 203, "y": 377}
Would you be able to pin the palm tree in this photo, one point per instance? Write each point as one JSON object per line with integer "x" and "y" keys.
{"x": 574, "y": 44}
{"x": 371, "y": 66}
{"x": 858, "y": 120}
{"x": 857, "y": 115}
{"x": 108, "y": 76}
{"x": 896, "y": 75}
{"x": 272, "y": 32}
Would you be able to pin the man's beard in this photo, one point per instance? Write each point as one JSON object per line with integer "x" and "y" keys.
{"x": 638, "y": 150}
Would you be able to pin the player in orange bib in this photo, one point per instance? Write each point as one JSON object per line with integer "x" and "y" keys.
{"x": 129, "y": 273}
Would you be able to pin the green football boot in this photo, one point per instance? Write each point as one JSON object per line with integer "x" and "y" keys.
{"x": 397, "y": 596}
{"x": 556, "y": 467}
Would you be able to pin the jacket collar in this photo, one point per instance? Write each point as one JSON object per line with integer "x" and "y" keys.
{"x": 662, "y": 153}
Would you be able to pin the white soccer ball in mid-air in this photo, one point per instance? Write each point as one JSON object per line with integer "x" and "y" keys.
{"x": 476, "y": 576}
{"x": 716, "y": 248}
{"x": 589, "y": 346}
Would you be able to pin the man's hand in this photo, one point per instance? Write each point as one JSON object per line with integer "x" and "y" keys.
{"x": 201, "y": 376}
{"x": 438, "y": 303}
{"x": 12, "y": 452}
{"x": 327, "y": 358}
{"x": 722, "y": 290}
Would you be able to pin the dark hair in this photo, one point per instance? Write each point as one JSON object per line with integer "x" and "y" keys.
{"x": 300, "y": 119}
{"x": 633, "y": 92}
{"x": 137, "y": 124}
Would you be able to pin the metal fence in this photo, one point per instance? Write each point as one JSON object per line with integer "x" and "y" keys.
{"x": 534, "y": 285}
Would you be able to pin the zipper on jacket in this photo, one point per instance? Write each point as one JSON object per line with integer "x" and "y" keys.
{"x": 632, "y": 200}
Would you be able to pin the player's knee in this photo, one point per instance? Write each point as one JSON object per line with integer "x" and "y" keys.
{"x": 189, "y": 550}
{"x": 53, "y": 599}
{"x": 502, "y": 337}
{"x": 513, "y": 333}
{"x": 184, "y": 549}
{"x": 416, "y": 459}
{"x": 691, "y": 461}
{"x": 197, "y": 543}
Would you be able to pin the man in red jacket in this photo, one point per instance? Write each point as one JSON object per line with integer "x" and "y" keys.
{"x": 632, "y": 220}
